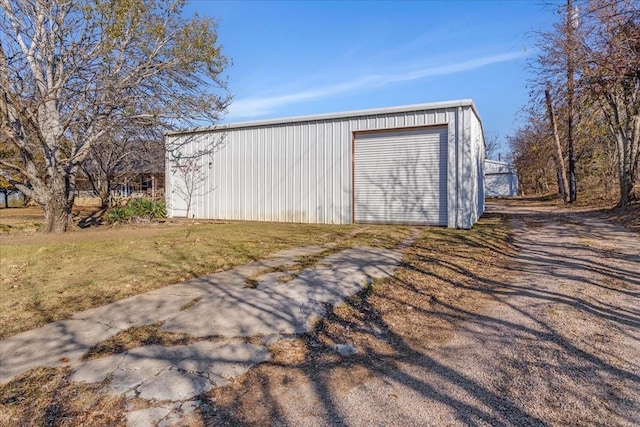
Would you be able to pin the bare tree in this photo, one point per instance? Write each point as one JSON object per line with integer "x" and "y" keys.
{"x": 591, "y": 60}
{"x": 124, "y": 152}
{"x": 70, "y": 71}
{"x": 611, "y": 79}
{"x": 491, "y": 145}
{"x": 532, "y": 154}
{"x": 190, "y": 181}
{"x": 563, "y": 188}
{"x": 555, "y": 72}
{"x": 570, "y": 31}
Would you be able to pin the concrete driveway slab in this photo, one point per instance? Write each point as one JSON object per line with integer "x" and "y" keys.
{"x": 173, "y": 385}
{"x": 65, "y": 342}
{"x": 54, "y": 344}
{"x": 232, "y": 310}
{"x": 148, "y": 417}
{"x": 172, "y": 373}
{"x": 138, "y": 310}
{"x": 225, "y": 314}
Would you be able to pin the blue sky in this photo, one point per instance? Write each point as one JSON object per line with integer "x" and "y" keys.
{"x": 297, "y": 58}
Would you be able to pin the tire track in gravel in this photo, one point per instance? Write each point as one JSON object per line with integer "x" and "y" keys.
{"x": 559, "y": 344}
{"x": 562, "y": 341}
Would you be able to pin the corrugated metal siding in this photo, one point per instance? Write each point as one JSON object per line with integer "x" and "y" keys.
{"x": 180, "y": 195}
{"x": 401, "y": 177}
{"x": 500, "y": 179}
{"x": 296, "y": 172}
{"x": 492, "y": 166}
{"x": 501, "y": 185}
{"x": 475, "y": 185}
{"x": 480, "y": 156}
{"x": 278, "y": 173}
{"x": 469, "y": 177}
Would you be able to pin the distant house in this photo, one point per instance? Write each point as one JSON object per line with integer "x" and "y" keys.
{"x": 500, "y": 179}
{"x": 416, "y": 164}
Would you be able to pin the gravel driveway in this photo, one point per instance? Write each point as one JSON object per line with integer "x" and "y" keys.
{"x": 557, "y": 344}
{"x": 560, "y": 344}
{"x": 540, "y": 326}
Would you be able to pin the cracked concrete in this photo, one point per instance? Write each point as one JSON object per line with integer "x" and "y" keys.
{"x": 172, "y": 373}
{"x": 226, "y": 308}
{"x": 162, "y": 416}
{"x": 53, "y": 344}
{"x": 274, "y": 307}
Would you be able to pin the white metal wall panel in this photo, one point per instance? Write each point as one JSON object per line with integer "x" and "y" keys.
{"x": 500, "y": 179}
{"x": 473, "y": 177}
{"x": 300, "y": 170}
{"x": 469, "y": 175}
{"x": 501, "y": 185}
{"x": 466, "y": 173}
{"x": 401, "y": 177}
{"x": 479, "y": 159}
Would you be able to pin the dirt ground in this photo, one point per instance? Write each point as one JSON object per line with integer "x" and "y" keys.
{"x": 544, "y": 332}
{"x": 539, "y": 325}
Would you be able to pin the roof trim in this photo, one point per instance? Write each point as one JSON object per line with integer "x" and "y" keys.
{"x": 331, "y": 116}
{"x": 497, "y": 162}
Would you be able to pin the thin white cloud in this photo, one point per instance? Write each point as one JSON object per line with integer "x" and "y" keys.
{"x": 251, "y": 107}
{"x": 257, "y": 106}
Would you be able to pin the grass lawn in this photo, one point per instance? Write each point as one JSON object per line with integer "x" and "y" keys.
{"x": 445, "y": 278}
{"x": 21, "y": 219}
{"x": 46, "y": 278}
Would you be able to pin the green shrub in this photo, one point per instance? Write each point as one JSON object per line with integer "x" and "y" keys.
{"x": 137, "y": 208}
{"x": 156, "y": 209}
{"x": 115, "y": 215}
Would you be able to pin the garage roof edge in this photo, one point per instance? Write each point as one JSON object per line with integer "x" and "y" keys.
{"x": 330, "y": 116}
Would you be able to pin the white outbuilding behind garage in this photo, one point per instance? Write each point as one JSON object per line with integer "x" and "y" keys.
{"x": 417, "y": 164}
{"x": 500, "y": 179}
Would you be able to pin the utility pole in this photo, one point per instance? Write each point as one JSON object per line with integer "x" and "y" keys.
{"x": 571, "y": 26}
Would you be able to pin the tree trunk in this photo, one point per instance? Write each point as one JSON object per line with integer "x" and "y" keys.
{"x": 57, "y": 218}
{"x": 105, "y": 194}
{"x": 562, "y": 173}
{"x": 628, "y": 176}
{"x": 57, "y": 208}
{"x": 626, "y": 191}
{"x": 628, "y": 148}
{"x": 571, "y": 20}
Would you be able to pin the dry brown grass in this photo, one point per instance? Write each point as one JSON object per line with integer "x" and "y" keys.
{"x": 445, "y": 280}
{"x": 48, "y": 277}
{"x": 46, "y": 397}
{"x": 628, "y": 216}
{"x": 24, "y": 219}
{"x": 136, "y": 337}
{"x": 445, "y": 272}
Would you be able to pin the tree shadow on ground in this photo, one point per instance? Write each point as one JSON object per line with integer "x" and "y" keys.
{"x": 470, "y": 331}
{"x": 92, "y": 218}
{"x": 547, "y": 340}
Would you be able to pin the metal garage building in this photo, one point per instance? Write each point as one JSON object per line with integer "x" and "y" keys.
{"x": 417, "y": 164}
{"x": 500, "y": 179}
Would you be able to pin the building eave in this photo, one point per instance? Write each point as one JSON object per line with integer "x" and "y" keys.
{"x": 332, "y": 116}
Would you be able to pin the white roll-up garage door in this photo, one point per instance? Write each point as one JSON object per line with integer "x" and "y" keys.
{"x": 400, "y": 177}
